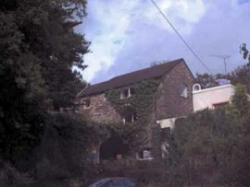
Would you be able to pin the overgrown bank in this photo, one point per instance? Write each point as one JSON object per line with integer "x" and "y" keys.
{"x": 212, "y": 147}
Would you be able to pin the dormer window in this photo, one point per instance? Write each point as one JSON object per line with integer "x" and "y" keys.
{"x": 127, "y": 93}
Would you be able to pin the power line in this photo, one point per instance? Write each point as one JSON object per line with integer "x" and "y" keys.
{"x": 180, "y": 36}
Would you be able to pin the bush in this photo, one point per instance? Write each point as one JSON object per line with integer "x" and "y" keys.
{"x": 62, "y": 151}
{"x": 9, "y": 176}
{"x": 212, "y": 146}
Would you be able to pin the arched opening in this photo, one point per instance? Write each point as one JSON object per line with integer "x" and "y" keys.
{"x": 113, "y": 148}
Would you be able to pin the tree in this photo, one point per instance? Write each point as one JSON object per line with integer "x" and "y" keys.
{"x": 240, "y": 101}
{"x": 245, "y": 53}
{"x": 44, "y": 32}
{"x": 38, "y": 48}
{"x": 206, "y": 80}
{"x": 241, "y": 75}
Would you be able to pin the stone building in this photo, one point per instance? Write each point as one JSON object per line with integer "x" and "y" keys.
{"x": 171, "y": 98}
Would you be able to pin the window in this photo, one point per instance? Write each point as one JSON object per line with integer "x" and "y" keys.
{"x": 165, "y": 133}
{"x": 220, "y": 105}
{"x": 132, "y": 91}
{"x": 144, "y": 154}
{"x": 184, "y": 91}
{"x": 76, "y": 109}
{"x": 126, "y": 93}
{"x": 130, "y": 118}
{"x": 86, "y": 103}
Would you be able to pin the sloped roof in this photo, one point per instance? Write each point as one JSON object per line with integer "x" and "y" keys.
{"x": 131, "y": 78}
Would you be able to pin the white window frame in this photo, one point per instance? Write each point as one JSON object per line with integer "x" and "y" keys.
{"x": 184, "y": 91}
{"x": 132, "y": 119}
{"x": 122, "y": 95}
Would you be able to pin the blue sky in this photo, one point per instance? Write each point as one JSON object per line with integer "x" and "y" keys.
{"x": 128, "y": 35}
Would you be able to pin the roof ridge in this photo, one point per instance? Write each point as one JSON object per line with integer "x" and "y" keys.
{"x": 132, "y": 77}
{"x": 147, "y": 68}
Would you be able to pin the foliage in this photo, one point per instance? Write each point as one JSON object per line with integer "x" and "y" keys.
{"x": 240, "y": 101}
{"x": 241, "y": 76}
{"x": 61, "y": 155}
{"x": 245, "y": 53}
{"x": 132, "y": 135}
{"x": 62, "y": 151}
{"x": 206, "y": 80}
{"x": 9, "y": 176}
{"x": 21, "y": 119}
{"x": 38, "y": 48}
{"x": 142, "y": 103}
{"x": 207, "y": 147}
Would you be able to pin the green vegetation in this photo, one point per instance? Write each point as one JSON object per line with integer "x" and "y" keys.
{"x": 206, "y": 80}
{"x": 38, "y": 49}
{"x": 245, "y": 52}
{"x": 211, "y": 147}
{"x": 141, "y": 105}
{"x": 241, "y": 76}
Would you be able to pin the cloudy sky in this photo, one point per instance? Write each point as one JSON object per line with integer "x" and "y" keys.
{"x": 128, "y": 35}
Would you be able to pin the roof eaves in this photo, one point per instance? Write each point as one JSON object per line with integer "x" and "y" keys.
{"x": 109, "y": 87}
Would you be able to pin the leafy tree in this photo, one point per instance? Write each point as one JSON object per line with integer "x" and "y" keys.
{"x": 206, "y": 80}
{"x": 38, "y": 48}
{"x": 241, "y": 76}
{"x": 63, "y": 147}
{"x": 43, "y": 31}
{"x": 245, "y": 53}
{"x": 240, "y": 101}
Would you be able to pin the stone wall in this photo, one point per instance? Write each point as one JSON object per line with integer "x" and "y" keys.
{"x": 169, "y": 102}
{"x": 100, "y": 110}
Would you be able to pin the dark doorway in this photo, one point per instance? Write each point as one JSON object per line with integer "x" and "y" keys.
{"x": 113, "y": 147}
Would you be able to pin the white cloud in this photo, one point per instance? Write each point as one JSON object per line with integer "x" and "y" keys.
{"x": 182, "y": 13}
{"x": 113, "y": 19}
{"x": 129, "y": 32}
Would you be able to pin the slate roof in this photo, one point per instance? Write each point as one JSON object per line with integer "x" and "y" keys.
{"x": 131, "y": 78}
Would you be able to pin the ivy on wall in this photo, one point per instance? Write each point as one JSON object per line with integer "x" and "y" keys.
{"x": 142, "y": 103}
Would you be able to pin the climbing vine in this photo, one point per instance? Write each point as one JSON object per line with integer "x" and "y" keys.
{"x": 142, "y": 102}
